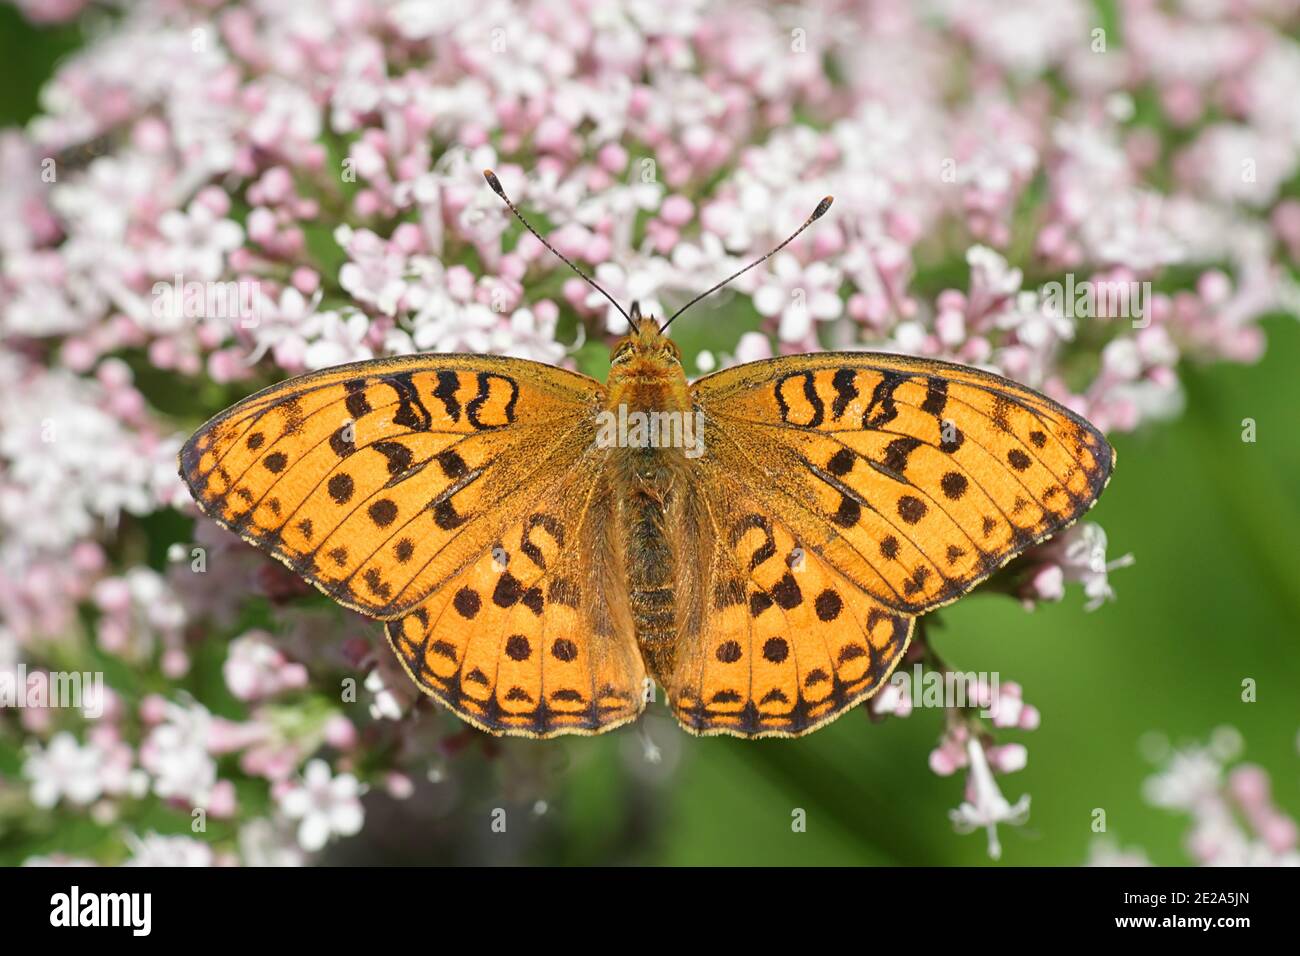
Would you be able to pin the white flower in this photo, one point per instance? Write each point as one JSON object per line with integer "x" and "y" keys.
{"x": 1085, "y": 562}
{"x": 1106, "y": 852}
{"x": 986, "y": 806}
{"x": 195, "y": 243}
{"x": 58, "y": 859}
{"x": 65, "y": 458}
{"x": 287, "y": 112}
{"x": 527, "y": 335}
{"x": 324, "y": 806}
{"x": 157, "y": 850}
{"x": 1026, "y": 38}
{"x": 263, "y": 843}
{"x": 283, "y": 325}
{"x": 175, "y": 753}
{"x": 256, "y": 669}
{"x": 386, "y": 705}
{"x": 375, "y": 272}
{"x": 800, "y": 295}
{"x": 992, "y": 280}
{"x": 1035, "y": 323}
{"x": 640, "y": 281}
{"x": 64, "y": 769}
{"x": 336, "y": 338}
{"x": 1190, "y": 779}
{"x": 894, "y": 698}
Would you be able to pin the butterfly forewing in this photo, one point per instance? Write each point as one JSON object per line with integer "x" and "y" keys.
{"x": 377, "y": 482}
{"x": 914, "y": 479}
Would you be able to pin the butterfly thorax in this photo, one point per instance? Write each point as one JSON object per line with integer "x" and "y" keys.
{"x": 647, "y": 388}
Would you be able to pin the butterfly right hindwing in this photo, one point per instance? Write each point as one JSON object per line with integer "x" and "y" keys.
{"x": 785, "y": 642}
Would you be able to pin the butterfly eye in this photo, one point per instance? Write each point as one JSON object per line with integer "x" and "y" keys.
{"x": 620, "y": 353}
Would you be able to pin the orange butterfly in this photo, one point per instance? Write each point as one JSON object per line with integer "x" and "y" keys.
{"x": 540, "y": 545}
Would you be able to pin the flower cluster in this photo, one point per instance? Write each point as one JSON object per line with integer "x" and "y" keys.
{"x": 213, "y": 197}
{"x": 1234, "y": 819}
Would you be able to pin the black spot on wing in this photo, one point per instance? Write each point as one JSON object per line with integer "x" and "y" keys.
{"x": 882, "y": 410}
{"x": 356, "y": 402}
{"x": 398, "y": 456}
{"x": 411, "y": 412}
{"x": 445, "y": 392}
{"x": 475, "y": 405}
{"x": 936, "y": 396}
{"x": 845, "y": 391}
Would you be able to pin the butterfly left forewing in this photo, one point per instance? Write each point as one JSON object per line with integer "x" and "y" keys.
{"x": 914, "y": 479}
{"x": 379, "y": 481}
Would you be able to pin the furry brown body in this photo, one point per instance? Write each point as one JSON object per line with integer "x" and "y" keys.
{"x": 655, "y": 495}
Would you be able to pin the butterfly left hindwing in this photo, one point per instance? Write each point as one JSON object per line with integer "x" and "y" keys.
{"x": 535, "y": 637}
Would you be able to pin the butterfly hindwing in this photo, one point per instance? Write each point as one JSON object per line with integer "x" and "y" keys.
{"x": 534, "y": 638}
{"x": 787, "y": 642}
{"x": 915, "y": 479}
{"x": 378, "y": 481}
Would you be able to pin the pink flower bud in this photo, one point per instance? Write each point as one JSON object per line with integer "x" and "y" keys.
{"x": 942, "y": 762}
{"x": 175, "y": 663}
{"x": 399, "y": 786}
{"x": 222, "y": 802}
{"x": 676, "y": 210}
{"x": 1214, "y": 287}
{"x": 305, "y": 280}
{"x": 153, "y": 709}
{"x": 340, "y": 733}
{"x": 612, "y": 158}
{"x": 408, "y": 238}
{"x": 598, "y": 249}
{"x": 1007, "y": 758}
{"x": 113, "y": 596}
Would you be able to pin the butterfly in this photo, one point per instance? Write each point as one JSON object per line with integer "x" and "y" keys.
{"x": 544, "y": 549}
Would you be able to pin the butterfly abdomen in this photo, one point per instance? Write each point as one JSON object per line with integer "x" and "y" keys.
{"x": 650, "y": 564}
{"x": 650, "y": 478}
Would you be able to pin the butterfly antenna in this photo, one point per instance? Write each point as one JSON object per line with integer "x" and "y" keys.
{"x": 495, "y": 183}
{"x": 816, "y": 214}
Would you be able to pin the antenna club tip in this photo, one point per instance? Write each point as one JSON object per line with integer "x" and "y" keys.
{"x": 822, "y": 206}
{"x": 492, "y": 180}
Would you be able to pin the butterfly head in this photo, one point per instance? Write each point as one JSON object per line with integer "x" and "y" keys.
{"x": 646, "y": 342}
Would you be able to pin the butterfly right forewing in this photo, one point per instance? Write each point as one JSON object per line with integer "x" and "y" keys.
{"x": 915, "y": 479}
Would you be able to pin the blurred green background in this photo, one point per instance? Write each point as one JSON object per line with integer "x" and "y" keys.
{"x": 1213, "y": 599}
